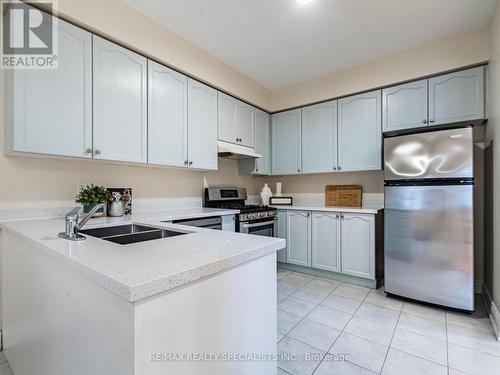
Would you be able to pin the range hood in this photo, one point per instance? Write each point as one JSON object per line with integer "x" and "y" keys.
{"x": 232, "y": 151}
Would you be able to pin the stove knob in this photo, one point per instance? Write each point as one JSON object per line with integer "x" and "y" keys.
{"x": 263, "y": 214}
{"x": 250, "y": 216}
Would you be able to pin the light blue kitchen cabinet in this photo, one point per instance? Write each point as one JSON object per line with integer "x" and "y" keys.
{"x": 405, "y": 106}
{"x": 120, "y": 103}
{"x": 325, "y": 241}
{"x": 281, "y": 233}
{"x": 319, "y": 138}
{"x": 359, "y": 132}
{"x": 49, "y": 111}
{"x": 245, "y": 126}
{"x": 167, "y": 116}
{"x": 298, "y": 237}
{"x": 457, "y": 96}
{"x": 236, "y": 121}
{"x": 202, "y": 126}
{"x": 286, "y": 142}
{"x": 358, "y": 245}
{"x": 262, "y": 165}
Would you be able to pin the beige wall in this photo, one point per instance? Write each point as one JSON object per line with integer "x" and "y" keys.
{"x": 430, "y": 59}
{"x": 493, "y": 133}
{"x": 372, "y": 182}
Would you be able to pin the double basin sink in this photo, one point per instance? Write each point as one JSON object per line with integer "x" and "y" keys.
{"x": 130, "y": 233}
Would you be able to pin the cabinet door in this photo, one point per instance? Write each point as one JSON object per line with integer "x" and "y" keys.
{"x": 457, "y": 96}
{"x": 298, "y": 237}
{"x": 262, "y": 165}
{"x": 202, "y": 126}
{"x": 167, "y": 116}
{"x": 282, "y": 234}
{"x": 319, "y": 138}
{"x": 120, "y": 97}
{"x": 405, "y": 106}
{"x": 245, "y": 127}
{"x": 51, "y": 110}
{"x": 358, "y": 245}
{"x": 227, "y": 118}
{"x": 325, "y": 241}
{"x": 359, "y": 132}
{"x": 286, "y": 147}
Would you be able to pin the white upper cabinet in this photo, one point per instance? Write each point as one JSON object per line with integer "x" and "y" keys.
{"x": 405, "y": 106}
{"x": 236, "y": 121}
{"x": 286, "y": 142}
{"x": 319, "y": 138}
{"x": 167, "y": 116}
{"x": 359, "y": 132}
{"x": 358, "y": 245}
{"x": 51, "y": 110}
{"x": 457, "y": 97}
{"x": 202, "y": 126}
{"x": 262, "y": 165}
{"x": 120, "y": 100}
{"x": 325, "y": 241}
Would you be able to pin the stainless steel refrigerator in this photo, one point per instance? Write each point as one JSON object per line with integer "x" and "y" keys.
{"x": 428, "y": 249}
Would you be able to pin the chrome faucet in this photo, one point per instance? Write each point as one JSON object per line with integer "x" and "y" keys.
{"x": 73, "y": 225}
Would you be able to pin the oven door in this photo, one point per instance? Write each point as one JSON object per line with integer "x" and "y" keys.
{"x": 264, "y": 227}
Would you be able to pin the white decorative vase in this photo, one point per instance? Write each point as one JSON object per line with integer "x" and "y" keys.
{"x": 279, "y": 187}
{"x": 265, "y": 194}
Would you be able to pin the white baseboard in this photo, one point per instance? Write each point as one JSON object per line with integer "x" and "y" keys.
{"x": 493, "y": 312}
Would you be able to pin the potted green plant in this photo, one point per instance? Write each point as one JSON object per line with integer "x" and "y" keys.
{"x": 90, "y": 195}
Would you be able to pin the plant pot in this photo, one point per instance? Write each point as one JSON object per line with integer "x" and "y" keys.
{"x": 89, "y": 206}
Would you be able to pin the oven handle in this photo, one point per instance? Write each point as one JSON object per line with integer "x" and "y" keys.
{"x": 260, "y": 224}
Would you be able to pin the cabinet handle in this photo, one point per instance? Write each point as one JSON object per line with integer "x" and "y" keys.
{"x": 190, "y": 162}
{"x": 256, "y": 169}
{"x": 308, "y": 214}
{"x": 88, "y": 151}
{"x": 298, "y": 170}
{"x": 185, "y": 162}
{"x": 339, "y": 167}
{"x": 97, "y": 152}
{"x": 431, "y": 121}
{"x": 424, "y": 121}
{"x": 334, "y": 168}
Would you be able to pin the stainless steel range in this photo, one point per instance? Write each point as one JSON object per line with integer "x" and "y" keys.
{"x": 252, "y": 219}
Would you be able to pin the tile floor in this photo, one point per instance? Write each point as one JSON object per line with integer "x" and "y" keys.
{"x": 340, "y": 328}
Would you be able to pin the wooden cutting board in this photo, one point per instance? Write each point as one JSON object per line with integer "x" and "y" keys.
{"x": 343, "y": 195}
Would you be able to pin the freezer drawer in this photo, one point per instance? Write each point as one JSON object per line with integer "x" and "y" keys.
{"x": 438, "y": 154}
{"x": 429, "y": 244}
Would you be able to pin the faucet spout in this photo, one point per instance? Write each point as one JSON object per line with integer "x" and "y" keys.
{"x": 86, "y": 218}
{"x": 73, "y": 225}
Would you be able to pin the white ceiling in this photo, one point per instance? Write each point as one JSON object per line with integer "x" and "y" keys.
{"x": 279, "y": 42}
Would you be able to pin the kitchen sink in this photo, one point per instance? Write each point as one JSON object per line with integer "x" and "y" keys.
{"x": 130, "y": 233}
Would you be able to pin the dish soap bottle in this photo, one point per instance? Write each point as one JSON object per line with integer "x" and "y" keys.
{"x": 265, "y": 194}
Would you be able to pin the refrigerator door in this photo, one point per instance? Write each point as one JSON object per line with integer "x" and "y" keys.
{"x": 439, "y": 154}
{"x": 429, "y": 244}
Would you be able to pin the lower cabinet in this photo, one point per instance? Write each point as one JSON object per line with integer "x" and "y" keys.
{"x": 357, "y": 238}
{"x": 330, "y": 241}
{"x": 325, "y": 241}
{"x": 281, "y": 234}
{"x": 298, "y": 237}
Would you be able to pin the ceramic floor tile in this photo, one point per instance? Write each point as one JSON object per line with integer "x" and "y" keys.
{"x": 282, "y": 372}
{"x": 426, "y": 327}
{"x": 421, "y": 346}
{"x": 5, "y": 369}
{"x": 378, "y": 297}
{"x": 325, "y": 285}
{"x": 465, "y": 320}
{"x": 355, "y": 292}
{"x": 377, "y": 313}
{"x": 371, "y": 330}
{"x": 287, "y": 321}
{"x": 282, "y": 273}
{"x": 298, "y": 279}
{"x": 280, "y": 297}
{"x": 296, "y": 306}
{"x": 341, "y": 368}
{"x": 310, "y": 295}
{"x": 333, "y": 318}
{"x": 305, "y": 357}
{"x": 425, "y": 311}
{"x": 362, "y": 352}
{"x": 315, "y": 334}
{"x": 344, "y": 304}
{"x": 472, "y": 362}
{"x": 279, "y": 336}
{"x": 452, "y": 371}
{"x": 2, "y": 357}
{"x": 398, "y": 363}
{"x": 286, "y": 289}
{"x": 474, "y": 339}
